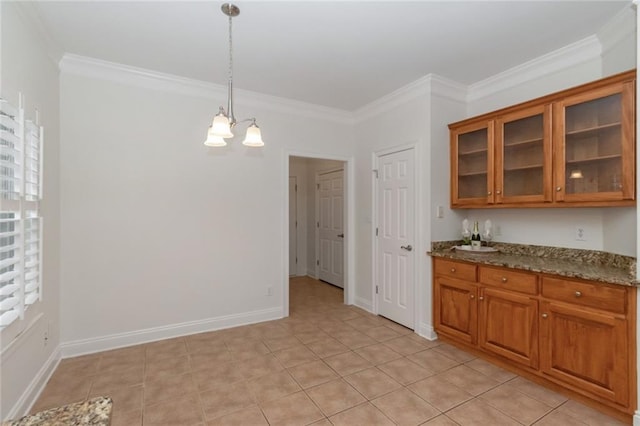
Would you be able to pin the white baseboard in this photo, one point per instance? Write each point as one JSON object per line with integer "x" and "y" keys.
{"x": 427, "y": 331}
{"x": 33, "y": 391}
{"x": 114, "y": 341}
{"x": 364, "y": 304}
{"x": 312, "y": 273}
{"x": 636, "y": 419}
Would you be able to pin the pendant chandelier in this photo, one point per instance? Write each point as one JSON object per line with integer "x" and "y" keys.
{"x": 224, "y": 122}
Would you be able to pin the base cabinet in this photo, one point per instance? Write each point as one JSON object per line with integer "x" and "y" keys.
{"x": 586, "y": 349}
{"x": 577, "y": 334}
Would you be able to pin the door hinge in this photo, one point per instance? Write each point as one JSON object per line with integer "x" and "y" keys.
{"x": 318, "y": 262}
{"x": 317, "y": 224}
{"x": 376, "y": 289}
{"x": 296, "y": 187}
{"x": 296, "y": 260}
{"x": 376, "y": 232}
{"x": 318, "y": 185}
{"x": 375, "y": 172}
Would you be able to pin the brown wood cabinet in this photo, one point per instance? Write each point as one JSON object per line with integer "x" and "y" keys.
{"x": 574, "y": 333}
{"x": 572, "y": 148}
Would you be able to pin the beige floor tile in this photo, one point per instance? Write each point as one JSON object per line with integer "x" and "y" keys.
{"x": 280, "y": 343}
{"x": 166, "y": 349}
{"x": 378, "y": 354}
{"x": 333, "y": 326}
{"x": 353, "y": 339}
{"x": 211, "y": 337}
{"x": 249, "y": 351}
{"x": 347, "y": 363}
{"x": 440, "y": 393}
{"x": 335, "y": 396}
{"x": 362, "y": 415}
{"x": 381, "y": 333}
{"x": 86, "y": 365}
{"x": 168, "y": 388}
{"x": 223, "y": 373}
{"x": 226, "y": 399}
{"x": 61, "y": 390}
{"x": 516, "y": 405}
{"x": 183, "y": 411}
{"x": 167, "y": 367}
{"x": 496, "y": 373}
{"x": 372, "y": 383}
{"x": 251, "y": 416}
{"x": 469, "y": 379}
{"x": 454, "y": 353}
{"x": 405, "y": 345}
{"x": 259, "y": 366}
{"x": 364, "y": 322}
{"x": 126, "y": 418}
{"x": 272, "y": 386}
{"x": 296, "y": 355}
{"x": 477, "y": 412}
{"x": 111, "y": 380}
{"x": 587, "y": 414}
{"x": 400, "y": 329}
{"x": 441, "y": 420}
{"x": 202, "y": 360}
{"x": 433, "y": 361}
{"x": 558, "y": 418}
{"x": 311, "y": 336}
{"x": 327, "y": 347}
{"x": 323, "y": 422}
{"x": 312, "y": 374}
{"x": 295, "y": 409}
{"x": 405, "y": 408}
{"x": 198, "y": 346}
{"x": 404, "y": 371}
{"x": 538, "y": 392}
{"x": 124, "y": 399}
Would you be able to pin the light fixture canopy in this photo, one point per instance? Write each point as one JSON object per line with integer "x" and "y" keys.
{"x": 224, "y": 122}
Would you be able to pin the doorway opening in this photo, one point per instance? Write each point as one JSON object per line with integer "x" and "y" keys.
{"x": 318, "y": 234}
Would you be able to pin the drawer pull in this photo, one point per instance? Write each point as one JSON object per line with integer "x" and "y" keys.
{"x": 544, "y": 316}
{"x": 498, "y": 192}
{"x": 481, "y": 298}
{"x": 472, "y": 296}
{"x": 453, "y": 269}
{"x": 558, "y": 188}
{"x": 489, "y": 193}
{"x": 504, "y": 279}
{"x": 578, "y": 294}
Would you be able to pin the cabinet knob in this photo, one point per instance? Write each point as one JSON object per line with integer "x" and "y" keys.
{"x": 578, "y": 294}
{"x": 489, "y": 193}
{"x": 504, "y": 279}
{"x": 472, "y": 296}
{"x": 453, "y": 269}
{"x": 498, "y": 192}
{"x": 544, "y": 315}
{"x": 558, "y": 188}
{"x": 481, "y": 298}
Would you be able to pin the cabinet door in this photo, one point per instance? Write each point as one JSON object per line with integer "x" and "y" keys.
{"x": 594, "y": 145}
{"x": 509, "y": 325}
{"x": 456, "y": 308}
{"x": 587, "y": 349}
{"x": 472, "y": 165}
{"x": 523, "y": 156}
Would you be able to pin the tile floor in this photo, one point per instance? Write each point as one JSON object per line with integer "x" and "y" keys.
{"x": 327, "y": 364}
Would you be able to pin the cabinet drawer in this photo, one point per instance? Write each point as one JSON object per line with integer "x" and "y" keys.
{"x": 598, "y": 296}
{"x": 462, "y": 271}
{"x": 509, "y": 280}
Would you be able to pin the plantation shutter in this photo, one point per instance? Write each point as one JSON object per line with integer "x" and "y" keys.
{"x": 11, "y": 152}
{"x": 11, "y": 289}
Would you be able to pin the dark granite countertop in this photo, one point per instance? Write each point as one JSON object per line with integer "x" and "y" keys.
{"x": 93, "y": 412}
{"x": 575, "y": 263}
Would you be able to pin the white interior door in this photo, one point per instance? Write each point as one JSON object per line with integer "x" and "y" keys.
{"x": 293, "y": 226}
{"x": 330, "y": 227}
{"x": 396, "y": 221}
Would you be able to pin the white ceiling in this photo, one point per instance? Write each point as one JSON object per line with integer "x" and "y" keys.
{"x": 338, "y": 54}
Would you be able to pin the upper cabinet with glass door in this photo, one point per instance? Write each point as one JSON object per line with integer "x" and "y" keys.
{"x": 569, "y": 149}
{"x": 594, "y": 145}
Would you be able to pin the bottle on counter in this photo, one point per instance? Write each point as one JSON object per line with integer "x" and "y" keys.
{"x": 475, "y": 237}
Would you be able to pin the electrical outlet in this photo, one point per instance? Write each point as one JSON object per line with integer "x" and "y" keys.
{"x": 269, "y": 291}
{"x": 581, "y": 234}
{"x": 440, "y": 212}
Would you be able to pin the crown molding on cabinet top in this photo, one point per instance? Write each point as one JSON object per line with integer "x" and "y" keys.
{"x": 430, "y": 84}
{"x": 584, "y": 50}
{"x": 154, "y": 80}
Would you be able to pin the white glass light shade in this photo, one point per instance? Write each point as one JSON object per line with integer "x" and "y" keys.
{"x": 253, "y": 137}
{"x": 213, "y": 140}
{"x": 576, "y": 174}
{"x": 220, "y": 126}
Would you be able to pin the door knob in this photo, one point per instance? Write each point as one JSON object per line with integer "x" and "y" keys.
{"x": 340, "y": 235}
{"x": 407, "y": 248}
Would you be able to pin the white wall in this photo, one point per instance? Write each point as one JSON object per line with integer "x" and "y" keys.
{"x": 162, "y": 235}
{"x": 25, "y": 361}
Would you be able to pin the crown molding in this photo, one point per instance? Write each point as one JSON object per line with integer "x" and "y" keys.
{"x": 430, "y": 84}
{"x": 154, "y": 80}
{"x": 621, "y": 26}
{"x": 561, "y": 59}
